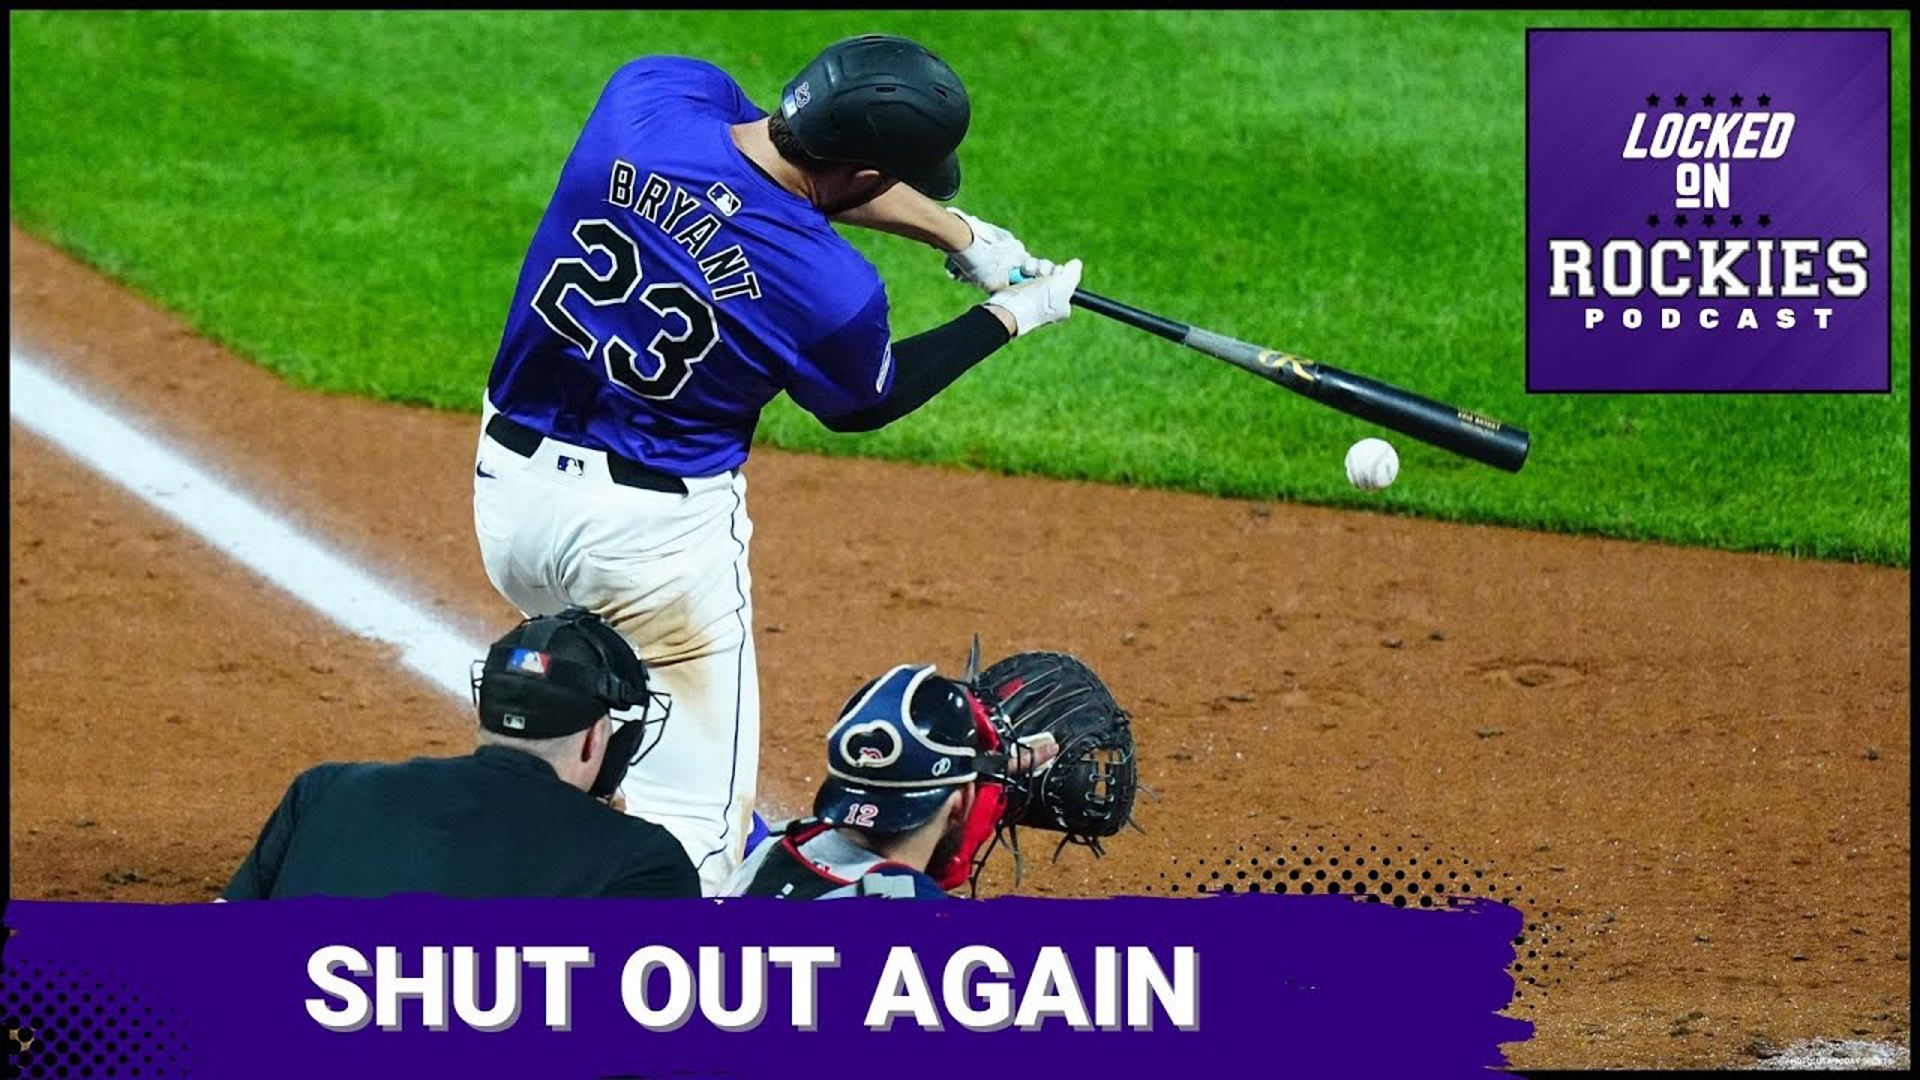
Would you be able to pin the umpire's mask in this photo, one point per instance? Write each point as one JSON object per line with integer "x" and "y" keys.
{"x": 555, "y": 675}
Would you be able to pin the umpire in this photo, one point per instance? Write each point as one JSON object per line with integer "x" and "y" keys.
{"x": 523, "y": 815}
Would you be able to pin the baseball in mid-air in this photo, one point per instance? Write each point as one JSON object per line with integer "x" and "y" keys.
{"x": 1372, "y": 464}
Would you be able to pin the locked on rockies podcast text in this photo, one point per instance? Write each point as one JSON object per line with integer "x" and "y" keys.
{"x": 1708, "y": 210}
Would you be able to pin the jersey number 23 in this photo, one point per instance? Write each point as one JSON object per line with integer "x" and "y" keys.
{"x": 674, "y": 354}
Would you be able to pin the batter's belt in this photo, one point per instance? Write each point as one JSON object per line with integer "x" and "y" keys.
{"x": 624, "y": 471}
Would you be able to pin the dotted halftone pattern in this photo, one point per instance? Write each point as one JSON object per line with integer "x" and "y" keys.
{"x": 64, "y": 1022}
{"x": 1404, "y": 875}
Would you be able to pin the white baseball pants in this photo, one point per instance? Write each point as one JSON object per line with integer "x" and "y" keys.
{"x": 669, "y": 572}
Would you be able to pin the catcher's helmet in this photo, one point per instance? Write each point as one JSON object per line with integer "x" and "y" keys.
{"x": 901, "y": 746}
{"x": 882, "y": 102}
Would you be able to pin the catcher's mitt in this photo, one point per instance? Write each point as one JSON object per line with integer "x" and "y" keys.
{"x": 1086, "y": 790}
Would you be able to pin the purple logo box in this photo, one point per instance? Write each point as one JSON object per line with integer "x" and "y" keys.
{"x": 1707, "y": 211}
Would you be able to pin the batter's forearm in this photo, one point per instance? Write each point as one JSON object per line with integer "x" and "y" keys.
{"x": 925, "y": 364}
{"x": 903, "y": 211}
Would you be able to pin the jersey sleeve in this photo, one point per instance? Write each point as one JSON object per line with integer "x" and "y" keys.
{"x": 703, "y": 84}
{"x": 850, "y": 369}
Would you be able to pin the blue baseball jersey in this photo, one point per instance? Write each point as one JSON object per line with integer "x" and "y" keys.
{"x": 673, "y": 288}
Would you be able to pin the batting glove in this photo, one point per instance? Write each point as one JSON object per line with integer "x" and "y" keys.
{"x": 1042, "y": 299}
{"x": 988, "y": 262}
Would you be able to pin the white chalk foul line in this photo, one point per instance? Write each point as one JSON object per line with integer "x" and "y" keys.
{"x": 251, "y": 536}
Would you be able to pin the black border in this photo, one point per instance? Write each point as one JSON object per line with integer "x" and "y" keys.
{"x": 1886, "y": 33}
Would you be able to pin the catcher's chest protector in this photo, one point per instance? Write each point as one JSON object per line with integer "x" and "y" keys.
{"x": 779, "y": 868}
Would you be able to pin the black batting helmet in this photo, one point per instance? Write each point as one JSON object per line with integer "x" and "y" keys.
{"x": 883, "y": 102}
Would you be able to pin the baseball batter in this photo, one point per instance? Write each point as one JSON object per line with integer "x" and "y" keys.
{"x": 685, "y": 272}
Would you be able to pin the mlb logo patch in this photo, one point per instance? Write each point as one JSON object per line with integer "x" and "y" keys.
{"x": 572, "y": 466}
{"x": 528, "y": 662}
{"x": 724, "y": 198}
{"x": 1708, "y": 211}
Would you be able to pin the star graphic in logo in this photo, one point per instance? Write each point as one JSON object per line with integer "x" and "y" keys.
{"x": 1734, "y": 221}
{"x": 1765, "y": 100}
{"x": 1766, "y": 220}
{"x": 1653, "y": 219}
{"x": 1679, "y": 219}
{"x": 1680, "y": 100}
{"x": 1653, "y": 100}
{"x": 1707, "y": 220}
{"x": 1707, "y": 100}
{"x": 1735, "y": 100}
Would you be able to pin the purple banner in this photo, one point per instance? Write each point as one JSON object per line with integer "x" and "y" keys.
{"x": 1707, "y": 210}
{"x": 1312, "y": 986}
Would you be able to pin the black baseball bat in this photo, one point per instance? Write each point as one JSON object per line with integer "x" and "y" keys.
{"x": 1453, "y": 429}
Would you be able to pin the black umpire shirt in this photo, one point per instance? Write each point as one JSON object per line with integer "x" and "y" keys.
{"x": 496, "y": 823}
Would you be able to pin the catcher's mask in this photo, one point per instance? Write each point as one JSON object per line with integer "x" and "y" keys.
{"x": 901, "y": 747}
{"x": 555, "y": 675}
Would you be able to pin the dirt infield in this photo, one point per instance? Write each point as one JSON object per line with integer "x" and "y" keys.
{"x": 1694, "y": 764}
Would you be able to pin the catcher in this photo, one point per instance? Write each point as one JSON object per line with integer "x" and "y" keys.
{"x": 925, "y": 774}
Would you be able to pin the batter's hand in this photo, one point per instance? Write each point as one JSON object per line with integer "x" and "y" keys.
{"x": 990, "y": 260}
{"x": 1040, "y": 299}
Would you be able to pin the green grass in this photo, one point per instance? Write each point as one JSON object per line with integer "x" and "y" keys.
{"x": 345, "y": 198}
